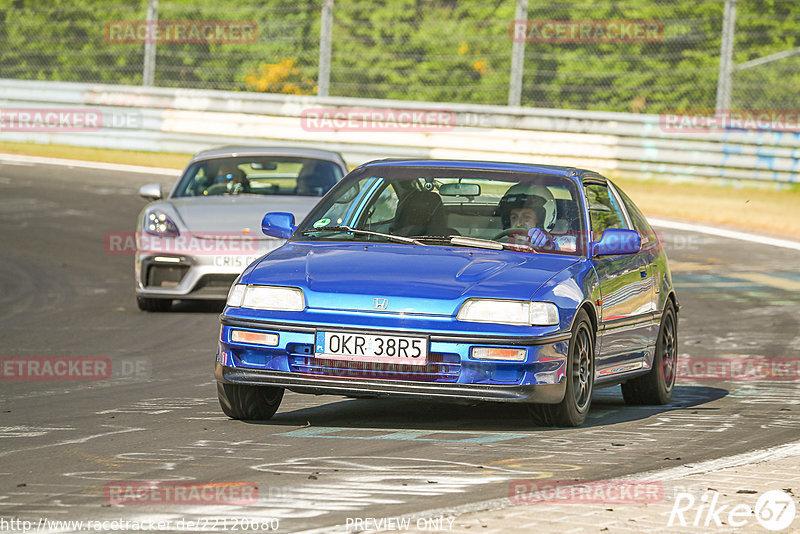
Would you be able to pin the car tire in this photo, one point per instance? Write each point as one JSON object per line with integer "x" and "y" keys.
{"x": 656, "y": 386}
{"x": 153, "y": 305}
{"x": 574, "y": 407}
{"x": 250, "y": 403}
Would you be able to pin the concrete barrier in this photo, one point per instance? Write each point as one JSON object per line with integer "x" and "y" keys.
{"x": 181, "y": 120}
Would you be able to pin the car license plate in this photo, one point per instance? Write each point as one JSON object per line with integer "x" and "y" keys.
{"x": 234, "y": 260}
{"x": 370, "y": 348}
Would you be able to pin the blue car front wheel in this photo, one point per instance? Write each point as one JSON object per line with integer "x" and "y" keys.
{"x": 250, "y": 403}
{"x": 572, "y": 409}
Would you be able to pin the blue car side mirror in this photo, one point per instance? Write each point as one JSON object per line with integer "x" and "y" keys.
{"x": 616, "y": 241}
{"x": 278, "y": 224}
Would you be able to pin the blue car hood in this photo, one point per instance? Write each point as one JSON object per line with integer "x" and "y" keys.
{"x": 412, "y": 279}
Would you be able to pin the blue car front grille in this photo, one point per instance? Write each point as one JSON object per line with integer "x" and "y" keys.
{"x": 441, "y": 367}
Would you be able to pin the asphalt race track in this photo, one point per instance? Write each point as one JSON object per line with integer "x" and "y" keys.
{"x": 322, "y": 460}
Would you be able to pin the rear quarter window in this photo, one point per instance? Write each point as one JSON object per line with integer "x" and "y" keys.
{"x": 640, "y": 224}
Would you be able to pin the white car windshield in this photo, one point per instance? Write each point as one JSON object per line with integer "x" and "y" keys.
{"x": 259, "y": 175}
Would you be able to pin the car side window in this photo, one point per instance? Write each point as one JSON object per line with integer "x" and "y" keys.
{"x": 604, "y": 211}
{"x": 639, "y": 221}
{"x": 383, "y": 209}
{"x": 198, "y": 183}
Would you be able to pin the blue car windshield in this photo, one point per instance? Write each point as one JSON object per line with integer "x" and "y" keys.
{"x": 259, "y": 175}
{"x": 528, "y": 212}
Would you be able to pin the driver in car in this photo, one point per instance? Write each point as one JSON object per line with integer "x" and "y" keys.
{"x": 230, "y": 180}
{"x": 527, "y": 213}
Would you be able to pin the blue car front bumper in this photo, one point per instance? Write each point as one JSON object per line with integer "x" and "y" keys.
{"x": 451, "y": 372}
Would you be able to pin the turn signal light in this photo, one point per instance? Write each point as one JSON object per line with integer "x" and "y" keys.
{"x": 256, "y": 338}
{"x": 493, "y": 353}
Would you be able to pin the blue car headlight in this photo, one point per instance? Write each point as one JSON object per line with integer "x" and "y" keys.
{"x": 544, "y": 314}
{"x": 158, "y": 223}
{"x": 266, "y": 297}
{"x": 516, "y": 312}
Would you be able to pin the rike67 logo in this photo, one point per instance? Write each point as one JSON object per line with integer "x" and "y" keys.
{"x": 774, "y": 510}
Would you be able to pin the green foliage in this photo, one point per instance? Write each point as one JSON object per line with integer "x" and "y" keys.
{"x": 428, "y": 50}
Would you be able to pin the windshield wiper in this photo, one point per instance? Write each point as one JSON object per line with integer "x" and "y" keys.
{"x": 390, "y": 237}
{"x": 477, "y": 242}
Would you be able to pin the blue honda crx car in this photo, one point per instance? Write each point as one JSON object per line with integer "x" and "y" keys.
{"x": 459, "y": 281}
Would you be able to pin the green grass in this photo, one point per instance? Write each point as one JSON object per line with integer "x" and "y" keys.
{"x": 129, "y": 157}
{"x": 750, "y": 208}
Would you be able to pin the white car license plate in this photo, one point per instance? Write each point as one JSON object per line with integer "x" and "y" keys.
{"x": 233, "y": 260}
{"x": 369, "y": 348}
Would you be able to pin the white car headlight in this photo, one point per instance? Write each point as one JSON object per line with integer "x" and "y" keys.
{"x": 158, "y": 223}
{"x": 520, "y": 312}
{"x": 267, "y": 297}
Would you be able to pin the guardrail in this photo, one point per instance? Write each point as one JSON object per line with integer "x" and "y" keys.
{"x": 180, "y": 120}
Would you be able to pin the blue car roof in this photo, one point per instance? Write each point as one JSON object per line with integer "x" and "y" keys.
{"x": 482, "y": 165}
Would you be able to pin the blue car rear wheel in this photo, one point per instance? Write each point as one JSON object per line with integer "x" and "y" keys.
{"x": 656, "y": 386}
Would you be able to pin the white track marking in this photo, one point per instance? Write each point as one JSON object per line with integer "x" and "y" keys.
{"x": 74, "y": 441}
{"x": 15, "y": 159}
{"x": 730, "y": 234}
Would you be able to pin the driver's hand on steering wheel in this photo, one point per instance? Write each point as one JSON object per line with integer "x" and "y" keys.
{"x": 538, "y": 238}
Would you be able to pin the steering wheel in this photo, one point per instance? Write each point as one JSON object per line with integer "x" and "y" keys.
{"x": 216, "y": 189}
{"x": 511, "y": 231}
{"x": 223, "y": 188}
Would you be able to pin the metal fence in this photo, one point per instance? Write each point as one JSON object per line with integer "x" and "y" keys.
{"x": 574, "y": 54}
